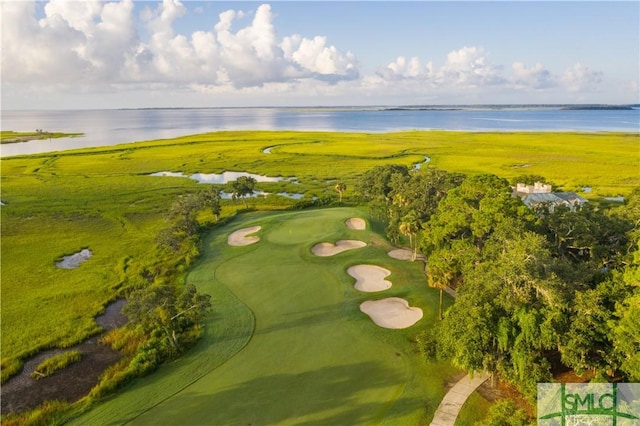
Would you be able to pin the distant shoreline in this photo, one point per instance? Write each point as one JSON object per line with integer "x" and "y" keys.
{"x": 381, "y": 108}
{"x": 10, "y": 136}
{"x": 417, "y": 107}
{"x": 597, "y": 107}
{"x": 111, "y": 127}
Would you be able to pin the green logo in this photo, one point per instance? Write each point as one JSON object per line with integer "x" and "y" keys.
{"x": 565, "y": 404}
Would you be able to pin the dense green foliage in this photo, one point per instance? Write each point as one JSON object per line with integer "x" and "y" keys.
{"x": 55, "y": 204}
{"x": 530, "y": 284}
{"x": 505, "y": 413}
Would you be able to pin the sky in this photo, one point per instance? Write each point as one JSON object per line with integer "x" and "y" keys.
{"x": 89, "y": 54}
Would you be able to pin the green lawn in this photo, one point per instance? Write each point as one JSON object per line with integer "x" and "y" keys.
{"x": 311, "y": 357}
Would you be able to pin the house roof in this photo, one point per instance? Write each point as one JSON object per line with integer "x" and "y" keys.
{"x": 569, "y": 199}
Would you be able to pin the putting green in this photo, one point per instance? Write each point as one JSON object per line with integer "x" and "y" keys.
{"x": 305, "y": 354}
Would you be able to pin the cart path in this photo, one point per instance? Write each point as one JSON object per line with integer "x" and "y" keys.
{"x": 453, "y": 401}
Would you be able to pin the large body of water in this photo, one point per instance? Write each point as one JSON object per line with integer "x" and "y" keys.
{"x": 111, "y": 127}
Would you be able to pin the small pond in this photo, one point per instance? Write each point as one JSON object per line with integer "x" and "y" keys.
{"x": 615, "y": 199}
{"x": 294, "y": 196}
{"x": 225, "y": 177}
{"x": 74, "y": 260}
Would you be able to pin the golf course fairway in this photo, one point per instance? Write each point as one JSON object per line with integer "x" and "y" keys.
{"x": 286, "y": 342}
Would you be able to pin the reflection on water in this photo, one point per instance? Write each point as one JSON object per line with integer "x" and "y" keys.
{"x": 111, "y": 127}
{"x": 418, "y": 166}
{"x": 294, "y": 196}
{"x": 225, "y": 177}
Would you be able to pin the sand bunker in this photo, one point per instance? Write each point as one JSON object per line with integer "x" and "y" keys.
{"x": 73, "y": 261}
{"x": 356, "y": 223}
{"x": 328, "y": 249}
{"x": 240, "y": 238}
{"x": 404, "y": 254}
{"x": 370, "y": 278}
{"x": 392, "y": 312}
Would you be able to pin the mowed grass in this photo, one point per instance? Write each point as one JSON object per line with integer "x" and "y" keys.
{"x": 311, "y": 356}
{"x": 100, "y": 198}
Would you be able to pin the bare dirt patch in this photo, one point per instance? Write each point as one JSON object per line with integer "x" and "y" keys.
{"x": 370, "y": 278}
{"x": 241, "y": 237}
{"x": 392, "y": 312}
{"x": 329, "y": 249}
{"x": 356, "y": 223}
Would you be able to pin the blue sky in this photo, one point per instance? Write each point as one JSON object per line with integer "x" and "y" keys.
{"x": 60, "y": 54}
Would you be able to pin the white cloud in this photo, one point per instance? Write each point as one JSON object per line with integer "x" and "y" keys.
{"x": 467, "y": 71}
{"x": 92, "y": 42}
{"x": 580, "y": 77}
{"x": 74, "y": 43}
{"x": 535, "y": 77}
{"x": 463, "y": 68}
{"x": 469, "y": 67}
{"x": 93, "y": 46}
{"x": 402, "y": 68}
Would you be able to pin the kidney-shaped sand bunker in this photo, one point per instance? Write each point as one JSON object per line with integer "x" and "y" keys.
{"x": 328, "y": 249}
{"x": 392, "y": 312}
{"x": 370, "y": 278}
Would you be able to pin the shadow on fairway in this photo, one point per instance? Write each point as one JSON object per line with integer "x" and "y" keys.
{"x": 305, "y": 319}
{"x": 342, "y": 395}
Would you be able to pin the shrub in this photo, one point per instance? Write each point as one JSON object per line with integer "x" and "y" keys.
{"x": 505, "y": 413}
{"x": 427, "y": 344}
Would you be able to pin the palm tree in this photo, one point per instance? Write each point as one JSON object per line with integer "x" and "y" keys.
{"x": 440, "y": 273}
{"x": 341, "y": 187}
{"x": 409, "y": 227}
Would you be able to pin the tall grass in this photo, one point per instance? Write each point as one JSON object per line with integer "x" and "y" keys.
{"x": 102, "y": 198}
{"x": 57, "y": 362}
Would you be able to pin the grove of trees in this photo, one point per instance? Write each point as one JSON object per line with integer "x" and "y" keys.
{"x": 538, "y": 291}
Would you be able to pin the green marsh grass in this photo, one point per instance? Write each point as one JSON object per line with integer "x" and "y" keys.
{"x": 101, "y": 198}
{"x": 55, "y": 363}
{"x": 9, "y": 136}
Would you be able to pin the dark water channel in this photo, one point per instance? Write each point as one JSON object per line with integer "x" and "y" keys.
{"x": 22, "y": 393}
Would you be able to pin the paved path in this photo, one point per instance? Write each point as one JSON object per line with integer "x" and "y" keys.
{"x": 453, "y": 401}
